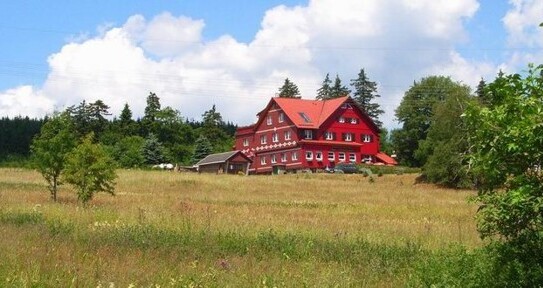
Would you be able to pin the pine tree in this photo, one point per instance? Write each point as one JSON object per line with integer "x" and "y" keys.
{"x": 149, "y": 120}
{"x": 365, "y": 91}
{"x": 480, "y": 92}
{"x": 338, "y": 90}
{"x": 289, "y": 90}
{"x": 202, "y": 149}
{"x": 153, "y": 151}
{"x": 325, "y": 91}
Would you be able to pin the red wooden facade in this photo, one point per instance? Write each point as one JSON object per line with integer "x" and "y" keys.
{"x": 293, "y": 134}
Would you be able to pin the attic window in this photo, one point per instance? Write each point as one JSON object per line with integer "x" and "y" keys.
{"x": 305, "y": 117}
{"x": 347, "y": 106}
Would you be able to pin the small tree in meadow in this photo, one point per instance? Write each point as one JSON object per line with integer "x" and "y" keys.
{"x": 90, "y": 169}
{"x": 49, "y": 149}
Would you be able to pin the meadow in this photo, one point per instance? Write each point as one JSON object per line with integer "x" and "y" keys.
{"x": 194, "y": 230}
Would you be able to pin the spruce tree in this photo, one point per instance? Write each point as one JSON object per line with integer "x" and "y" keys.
{"x": 338, "y": 90}
{"x": 153, "y": 151}
{"x": 289, "y": 90}
{"x": 202, "y": 149}
{"x": 325, "y": 91}
{"x": 365, "y": 91}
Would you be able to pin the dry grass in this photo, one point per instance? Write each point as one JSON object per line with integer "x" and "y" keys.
{"x": 342, "y": 209}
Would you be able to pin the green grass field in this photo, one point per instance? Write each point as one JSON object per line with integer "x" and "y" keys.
{"x": 189, "y": 230}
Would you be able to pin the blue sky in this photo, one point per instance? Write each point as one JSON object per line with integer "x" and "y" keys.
{"x": 234, "y": 54}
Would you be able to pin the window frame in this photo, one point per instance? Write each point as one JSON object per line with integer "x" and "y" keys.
{"x": 341, "y": 156}
{"x": 269, "y": 120}
{"x": 245, "y": 142}
{"x": 333, "y": 154}
{"x": 273, "y": 159}
{"x": 263, "y": 139}
{"x": 352, "y": 157}
{"x": 309, "y": 155}
{"x": 367, "y": 138}
{"x": 318, "y": 155}
{"x": 308, "y": 134}
{"x": 281, "y": 117}
{"x": 288, "y": 135}
{"x": 263, "y": 160}
{"x": 275, "y": 137}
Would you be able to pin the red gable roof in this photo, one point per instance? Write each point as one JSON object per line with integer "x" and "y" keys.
{"x": 386, "y": 159}
{"x": 309, "y": 113}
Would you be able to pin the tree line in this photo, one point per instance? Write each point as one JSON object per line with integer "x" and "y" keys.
{"x": 161, "y": 135}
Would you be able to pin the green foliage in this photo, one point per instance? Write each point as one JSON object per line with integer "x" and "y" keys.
{"x": 202, "y": 149}
{"x": 153, "y": 151}
{"x": 90, "y": 170}
{"x": 339, "y": 90}
{"x": 415, "y": 112}
{"x": 213, "y": 131}
{"x": 325, "y": 91}
{"x": 149, "y": 122}
{"x": 506, "y": 156}
{"x": 365, "y": 92}
{"x": 443, "y": 150}
{"x": 289, "y": 90}
{"x": 128, "y": 152}
{"x": 89, "y": 117}
{"x": 49, "y": 150}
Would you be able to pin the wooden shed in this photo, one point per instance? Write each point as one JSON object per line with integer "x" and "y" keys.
{"x": 231, "y": 162}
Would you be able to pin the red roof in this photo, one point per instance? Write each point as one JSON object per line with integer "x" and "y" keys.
{"x": 309, "y": 113}
{"x": 386, "y": 159}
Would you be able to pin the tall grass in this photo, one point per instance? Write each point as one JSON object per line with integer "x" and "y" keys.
{"x": 175, "y": 229}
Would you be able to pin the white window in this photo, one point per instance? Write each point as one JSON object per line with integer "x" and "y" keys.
{"x": 366, "y": 138}
{"x": 263, "y": 139}
{"x": 329, "y": 136}
{"x": 318, "y": 155}
{"x": 308, "y": 134}
{"x": 354, "y": 121}
{"x": 284, "y": 157}
{"x": 281, "y": 117}
{"x": 352, "y": 157}
{"x": 294, "y": 156}
{"x": 273, "y": 159}
{"x": 263, "y": 160}
{"x": 309, "y": 155}
{"x": 275, "y": 137}
{"x": 287, "y": 135}
{"x": 348, "y": 137}
{"x": 245, "y": 142}
{"x": 331, "y": 156}
{"x": 341, "y": 119}
{"x": 269, "y": 120}
{"x": 341, "y": 156}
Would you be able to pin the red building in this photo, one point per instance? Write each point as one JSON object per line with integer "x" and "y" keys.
{"x": 293, "y": 134}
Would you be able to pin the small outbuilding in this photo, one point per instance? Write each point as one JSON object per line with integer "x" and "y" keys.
{"x": 232, "y": 162}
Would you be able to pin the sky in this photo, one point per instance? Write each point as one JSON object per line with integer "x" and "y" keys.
{"x": 236, "y": 54}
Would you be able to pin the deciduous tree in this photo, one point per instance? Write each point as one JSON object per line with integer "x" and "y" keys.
{"x": 90, "y": 170}
{"x": 50, "y": 149}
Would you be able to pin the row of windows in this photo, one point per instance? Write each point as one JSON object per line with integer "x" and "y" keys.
{"x": 280, "y": 118}
{"x": 348, "y": 120}
{"x": 341, "y": 156}
{"x": 278, "y": 157}
{"x": 315, "y": 155}
{"x": 366, "y": 138}
{"x": 308, "y": 134}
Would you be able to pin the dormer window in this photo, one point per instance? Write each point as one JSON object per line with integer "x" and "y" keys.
{"x": 308, "y": 134}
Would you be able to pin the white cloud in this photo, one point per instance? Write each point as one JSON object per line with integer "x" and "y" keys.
{"x": 396, "y": 41}
{"x": 24, "y": 101}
